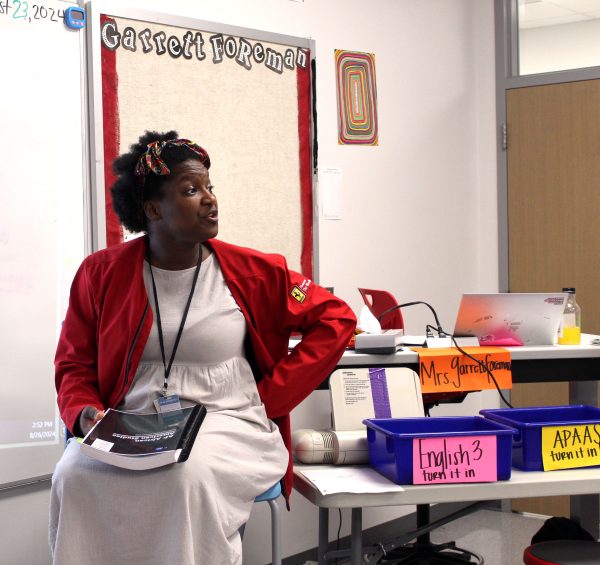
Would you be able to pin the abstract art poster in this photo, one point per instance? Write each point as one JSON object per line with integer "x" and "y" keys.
{"x": 356, "y": 98}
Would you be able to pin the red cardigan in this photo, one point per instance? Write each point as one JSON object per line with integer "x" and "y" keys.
{"x": 109, "y": 320}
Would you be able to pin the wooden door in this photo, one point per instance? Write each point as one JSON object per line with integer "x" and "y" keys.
{"x": 554, "y": 214}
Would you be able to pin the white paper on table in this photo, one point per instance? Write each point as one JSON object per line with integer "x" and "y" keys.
{"x": 358, "y": 480}
{"x": 413, "y": 340}
{"x": 330, "y": 189}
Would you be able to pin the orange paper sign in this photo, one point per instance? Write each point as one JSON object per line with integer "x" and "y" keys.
{"x": 448, "y": 370}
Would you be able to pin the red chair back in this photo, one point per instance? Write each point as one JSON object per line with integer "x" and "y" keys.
{"x": 378, "y": 301}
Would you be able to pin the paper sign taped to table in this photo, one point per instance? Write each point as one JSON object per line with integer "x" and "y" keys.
{"x": 455, "y": 459}
{"x": 448, "y": 370}
{"x": 566, "y": 447}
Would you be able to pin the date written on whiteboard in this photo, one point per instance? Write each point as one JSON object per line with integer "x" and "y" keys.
{"x": 26, "y": 12}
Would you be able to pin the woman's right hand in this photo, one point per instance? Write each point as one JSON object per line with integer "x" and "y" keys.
{"x": 88, "y": 418}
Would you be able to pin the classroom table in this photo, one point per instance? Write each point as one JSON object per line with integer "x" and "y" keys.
{"x": 577, "y": 364}
{"x": 530, "y": 364}
{"x": 521, "y": 484}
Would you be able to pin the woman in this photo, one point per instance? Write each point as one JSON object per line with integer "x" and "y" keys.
{"x": 234, "y": 309}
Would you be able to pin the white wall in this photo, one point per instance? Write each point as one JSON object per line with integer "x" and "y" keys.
{"x": 419, "y": 210}
{"x": 559, "y": 47}
{"x": 24, "y": 525}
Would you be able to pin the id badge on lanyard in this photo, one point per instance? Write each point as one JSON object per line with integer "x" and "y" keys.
{"x": 169, "y": 403}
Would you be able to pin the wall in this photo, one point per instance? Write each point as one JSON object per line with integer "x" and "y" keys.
{"x": 559, "y": 47}
{"x": 419, "y": 210}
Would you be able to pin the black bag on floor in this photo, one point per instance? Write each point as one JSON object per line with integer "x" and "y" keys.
{"x": 558, "y": 528}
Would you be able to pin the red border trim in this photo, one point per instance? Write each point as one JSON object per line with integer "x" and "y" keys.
{"x": 110, "y": 123}
{"x": 306, "y": 195}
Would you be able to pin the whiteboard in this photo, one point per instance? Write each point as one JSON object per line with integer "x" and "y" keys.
{"x": 43, "y": 223}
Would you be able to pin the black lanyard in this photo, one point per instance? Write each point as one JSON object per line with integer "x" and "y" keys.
{"x": 180, "y": 331}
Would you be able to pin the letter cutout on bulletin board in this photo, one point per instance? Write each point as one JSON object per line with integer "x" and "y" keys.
{"x": 244, "y": 95}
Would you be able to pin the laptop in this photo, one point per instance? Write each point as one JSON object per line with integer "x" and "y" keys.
{"x": 511, "y": 319}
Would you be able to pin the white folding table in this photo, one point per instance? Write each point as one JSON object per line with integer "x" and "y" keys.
{"x": 521, "y": 484}
{"x": 579, "y": 365}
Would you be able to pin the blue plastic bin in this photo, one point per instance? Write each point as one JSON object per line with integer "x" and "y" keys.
{"x": 390, "y": 441}
{"x": 527, "y": 444}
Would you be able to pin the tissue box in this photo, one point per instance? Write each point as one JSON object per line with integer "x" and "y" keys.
{"x": 385, "y": 342}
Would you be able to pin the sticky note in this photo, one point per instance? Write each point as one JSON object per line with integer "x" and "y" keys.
{"x": 566, "y": 447}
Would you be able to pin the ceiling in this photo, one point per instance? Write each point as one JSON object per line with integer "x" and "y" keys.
{"x": 540, "y": 13}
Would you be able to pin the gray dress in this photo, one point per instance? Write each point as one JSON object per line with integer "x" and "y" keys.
{"x": 186, "y": 513}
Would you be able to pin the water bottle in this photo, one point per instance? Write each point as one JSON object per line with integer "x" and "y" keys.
{"x": 570, "y": 327}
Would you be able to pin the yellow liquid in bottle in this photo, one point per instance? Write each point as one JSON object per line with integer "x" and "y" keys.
{"x": 570, "y": 336}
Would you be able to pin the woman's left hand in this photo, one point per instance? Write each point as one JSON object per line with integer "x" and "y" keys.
{"x": 88, "y": 418}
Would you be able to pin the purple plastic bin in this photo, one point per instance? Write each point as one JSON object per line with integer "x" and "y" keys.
{"x": 390, "y": 441}
{"x": 528, "y": 422}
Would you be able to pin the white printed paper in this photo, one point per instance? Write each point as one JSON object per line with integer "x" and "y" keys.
{"x": 352, "y": 397}
{"x": 330, "y": 189}
{"x": 357, "y": 480}
{"x": 102, "y": 445}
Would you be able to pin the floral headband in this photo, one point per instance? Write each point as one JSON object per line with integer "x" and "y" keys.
{"x": 150, "y": 161}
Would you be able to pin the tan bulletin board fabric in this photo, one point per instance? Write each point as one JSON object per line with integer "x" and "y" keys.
{"x": 244, "y": 109}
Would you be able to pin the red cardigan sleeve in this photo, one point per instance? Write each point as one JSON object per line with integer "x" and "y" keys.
{"x": 326, "y": 324}
{"x": 76, "y": 374}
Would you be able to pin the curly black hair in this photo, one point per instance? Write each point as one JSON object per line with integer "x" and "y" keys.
{"x": 129, "y": 192}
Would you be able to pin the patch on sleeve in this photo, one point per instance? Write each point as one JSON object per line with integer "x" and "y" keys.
{"x": 298, "y": 294}
{"x": 300, "y": 291}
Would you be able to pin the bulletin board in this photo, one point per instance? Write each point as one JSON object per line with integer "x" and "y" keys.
{"x": 244, "y": 95}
